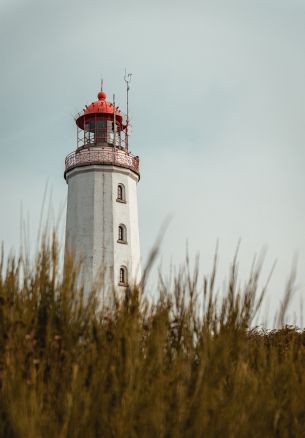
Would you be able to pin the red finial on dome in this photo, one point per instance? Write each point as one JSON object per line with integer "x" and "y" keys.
{"x": 102, "y": 95}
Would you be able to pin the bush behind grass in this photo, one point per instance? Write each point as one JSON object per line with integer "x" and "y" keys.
{"x": 187, "y": 365}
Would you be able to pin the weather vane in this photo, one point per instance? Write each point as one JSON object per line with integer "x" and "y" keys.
{"x": 127, "y": 79}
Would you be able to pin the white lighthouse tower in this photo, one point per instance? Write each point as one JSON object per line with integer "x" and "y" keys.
{"x": 102, "y": 211}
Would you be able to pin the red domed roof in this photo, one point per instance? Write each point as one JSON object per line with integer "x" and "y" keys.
{"x": 101, "y": 106}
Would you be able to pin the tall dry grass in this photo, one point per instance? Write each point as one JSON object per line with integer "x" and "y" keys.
{"x": 187, "y": 365}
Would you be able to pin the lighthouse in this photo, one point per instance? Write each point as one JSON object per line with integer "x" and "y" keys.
{"x": 102, "y": 229}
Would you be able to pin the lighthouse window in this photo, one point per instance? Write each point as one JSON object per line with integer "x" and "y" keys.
{"x": 122, "y": 237}
{"x": 121, "y": 193}
{"x": 123, "y": 276}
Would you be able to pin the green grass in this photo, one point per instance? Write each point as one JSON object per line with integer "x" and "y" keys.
{"x": 187, "y": 365}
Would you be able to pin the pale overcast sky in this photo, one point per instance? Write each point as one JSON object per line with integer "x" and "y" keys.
{"x": 217, "y": 106}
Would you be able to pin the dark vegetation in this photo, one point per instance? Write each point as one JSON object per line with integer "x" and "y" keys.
{"x": 189, "y": 365}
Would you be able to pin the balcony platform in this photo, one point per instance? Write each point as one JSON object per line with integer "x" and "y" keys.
{"x": 102, "y": 155}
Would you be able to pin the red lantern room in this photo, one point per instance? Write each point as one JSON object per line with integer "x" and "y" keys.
{"x": 101, "y": 124}
{"x": 102, "y": 137}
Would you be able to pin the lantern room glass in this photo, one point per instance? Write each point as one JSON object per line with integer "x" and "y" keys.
{"x": 98, "y": 132}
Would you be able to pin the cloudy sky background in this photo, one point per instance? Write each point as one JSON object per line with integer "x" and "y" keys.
{"x": 217, "y": 107}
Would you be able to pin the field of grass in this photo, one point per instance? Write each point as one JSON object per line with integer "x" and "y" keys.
{"x": 188, "y": 365}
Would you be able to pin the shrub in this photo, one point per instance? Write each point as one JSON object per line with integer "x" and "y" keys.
{"x": 188, "y": 364}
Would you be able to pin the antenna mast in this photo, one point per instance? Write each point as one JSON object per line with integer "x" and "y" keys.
{"x": 127, "y": 79}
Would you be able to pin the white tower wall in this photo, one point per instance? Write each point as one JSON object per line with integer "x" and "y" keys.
{"x": 93, "y": 218}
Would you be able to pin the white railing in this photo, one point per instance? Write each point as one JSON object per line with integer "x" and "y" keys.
{"x": 103, "y": 155}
